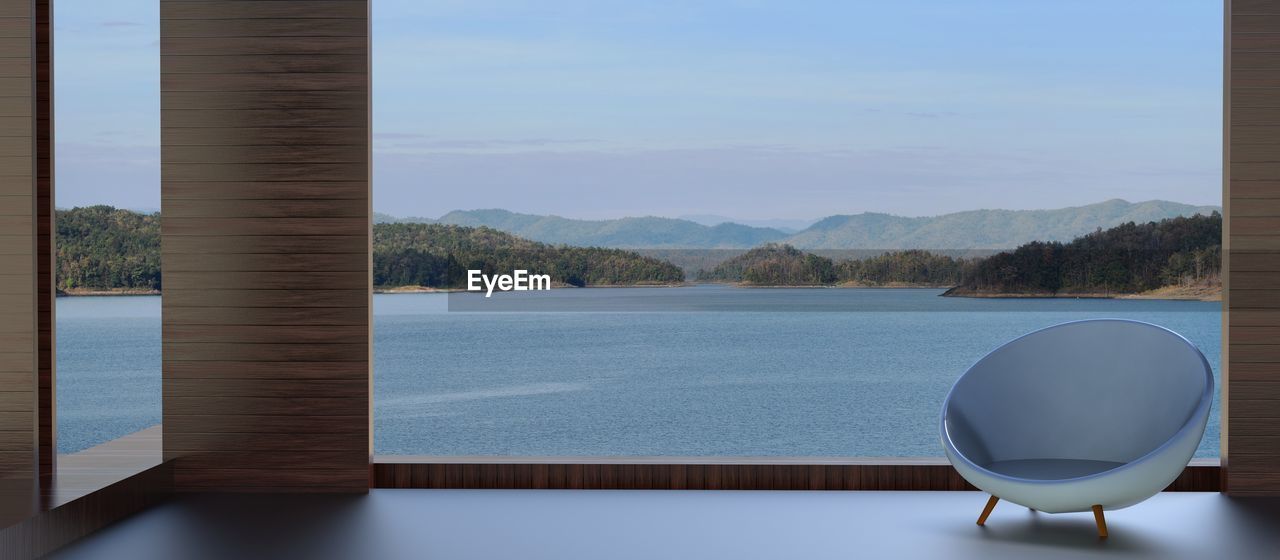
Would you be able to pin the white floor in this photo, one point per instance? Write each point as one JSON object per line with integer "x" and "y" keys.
{"x": 594, "y": 524}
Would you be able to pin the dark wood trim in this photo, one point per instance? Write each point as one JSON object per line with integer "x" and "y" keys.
{"x": 699, "y": 474}
{"x": 46, "y": 263}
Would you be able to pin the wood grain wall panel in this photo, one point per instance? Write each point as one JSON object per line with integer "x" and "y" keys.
{"x": 229, "y": 9}
{"x": 252, "y": 297}
{"x": 249, "y": 374}
{"x": 268, "y": 154}
{"x": 273, "y": 316}
{"x": 263, "y": 63}
{"x": 266, "y": 237}
{"x": 264, "y": 208}
{"x": 282, "y": 81}
{"x": 20, "y": 439}
{"x": 265, "y": 118}
{"x": 220, "y": 46}
{"x": 1251, "y": 407}
{"x": 185, "y": 100}
{"x": 224, "y": 226}
{"x": 352, "y": 245}
{"x": 1255, "y": 7}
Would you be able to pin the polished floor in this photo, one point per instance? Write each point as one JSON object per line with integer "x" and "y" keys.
{"x": 599, "y": 524}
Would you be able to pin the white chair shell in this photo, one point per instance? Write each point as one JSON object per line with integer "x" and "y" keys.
{"x": 1103, "y": 412}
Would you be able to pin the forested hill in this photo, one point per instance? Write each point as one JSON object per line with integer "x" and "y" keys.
{"x": 101, "y": 248}
{"x": 1131, "y": 258}
{"x": 784, "y": 265}
{"x": 774, "y": 265}
{"x": 1127, "y": 259}
{"x": 438, "y": 256}
{"x": 104, "y": 248}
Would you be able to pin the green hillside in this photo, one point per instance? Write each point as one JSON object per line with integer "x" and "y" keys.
{"x": 101, "y": 248}
{"x": 1131, "y": 258}
{"x": 784, "y": 265}
{"x": 774, "y": 265}
{"x": 104, "y": 248}
{"x": 438, "y": 256}
{"x": 1127, "y": 259}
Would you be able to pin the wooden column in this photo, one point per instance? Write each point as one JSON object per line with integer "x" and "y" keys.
{"x": 266, "y": 244}
{"x": 1251, "y": 407}
{"x": 18, "y": 253}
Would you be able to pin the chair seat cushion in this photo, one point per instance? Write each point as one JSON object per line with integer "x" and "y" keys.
{"x": 1050, "y": 469}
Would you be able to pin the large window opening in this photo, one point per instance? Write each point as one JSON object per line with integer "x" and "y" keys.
{"x": 107, "y": 157}
{"x": 778, "y": 197}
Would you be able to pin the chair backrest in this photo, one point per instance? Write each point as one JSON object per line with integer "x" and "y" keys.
{"x": 1103, "y": 390}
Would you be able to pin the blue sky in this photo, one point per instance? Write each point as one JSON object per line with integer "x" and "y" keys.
{"x": 743, "y": 108}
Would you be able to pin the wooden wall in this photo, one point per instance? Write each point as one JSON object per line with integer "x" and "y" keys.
{"x": 1251, "y": 407}
{"x": 266, "y": 244}
{"x": 17, "y": 242}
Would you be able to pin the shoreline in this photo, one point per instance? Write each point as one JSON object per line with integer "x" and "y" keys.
{"x": 115, "y": 292}
{"x": 832, "y": 286}
{"x": 1171, "y": 293}
{"x": 429, "y": 290}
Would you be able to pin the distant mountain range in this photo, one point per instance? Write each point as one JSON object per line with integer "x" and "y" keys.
{"x": 975, "y": 229}
{"x": 623, "y": 233}
{"x": 786, "y": 226}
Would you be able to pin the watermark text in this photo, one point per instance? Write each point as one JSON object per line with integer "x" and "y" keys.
{"x": 517, "y": 281}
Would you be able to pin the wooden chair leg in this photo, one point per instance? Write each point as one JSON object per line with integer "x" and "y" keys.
{"x": 991, "y": 504}
{"x": 1101, "y": 521}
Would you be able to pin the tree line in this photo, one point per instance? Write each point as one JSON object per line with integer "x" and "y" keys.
{"x": 104, "y": 248}
{"x": 1128, "y": 258}
{"x": 783, "y": 265}
{"x": 438, "y": 256}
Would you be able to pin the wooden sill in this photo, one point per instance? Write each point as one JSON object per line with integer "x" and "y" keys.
{"x": 699, "y": 473}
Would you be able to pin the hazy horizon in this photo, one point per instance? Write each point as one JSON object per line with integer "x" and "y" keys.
{"x": 704, "y": 219}
{"x": 599, "y": 109}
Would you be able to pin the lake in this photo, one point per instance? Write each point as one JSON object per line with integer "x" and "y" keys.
{"x": 689, "y": 371}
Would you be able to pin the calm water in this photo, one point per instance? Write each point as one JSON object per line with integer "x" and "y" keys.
{"x": 703, "y": 370}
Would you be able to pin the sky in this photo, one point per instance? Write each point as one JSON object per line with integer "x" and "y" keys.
{"x": 748, "y": 109}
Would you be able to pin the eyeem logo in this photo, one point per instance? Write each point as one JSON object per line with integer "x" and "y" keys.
{"x": 518, "y": 281}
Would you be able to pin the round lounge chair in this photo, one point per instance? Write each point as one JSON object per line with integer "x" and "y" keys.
{"x": 1084, "y": 416}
